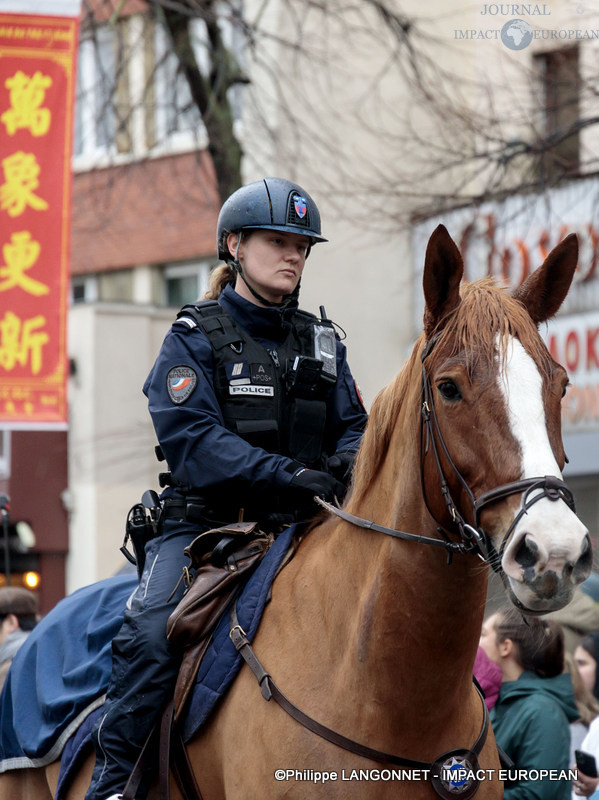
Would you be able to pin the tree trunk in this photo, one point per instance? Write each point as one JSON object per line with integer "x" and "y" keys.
{"x": 209, "y": 93}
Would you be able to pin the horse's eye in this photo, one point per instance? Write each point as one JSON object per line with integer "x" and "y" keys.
{"x": 565, "y": 389}
{"x": 449, "y": 390}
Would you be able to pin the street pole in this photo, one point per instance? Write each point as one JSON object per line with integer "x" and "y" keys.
{"x": 4, "y": 510}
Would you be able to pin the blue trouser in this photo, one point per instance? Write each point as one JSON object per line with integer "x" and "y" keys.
{"x": 144, "y": 663}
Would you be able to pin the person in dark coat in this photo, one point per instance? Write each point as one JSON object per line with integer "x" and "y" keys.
{"x": 256, "y": 412}
{"x": 536, "y": 702}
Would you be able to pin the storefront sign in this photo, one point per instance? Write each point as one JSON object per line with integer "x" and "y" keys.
{"x": 508, "y": 240}
{"x": 573, "y": 341}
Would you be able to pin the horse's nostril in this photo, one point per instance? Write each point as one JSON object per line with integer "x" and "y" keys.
{"x": 527, "y": 553}
{"x": 582, "y": 568}
{"x": 586, "y": 548}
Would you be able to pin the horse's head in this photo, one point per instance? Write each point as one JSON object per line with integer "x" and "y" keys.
{"x": 496, "y": 397}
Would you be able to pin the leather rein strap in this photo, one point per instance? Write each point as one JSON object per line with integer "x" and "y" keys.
{"x": 360, "y": 522}
{"x": 474, "y": 539}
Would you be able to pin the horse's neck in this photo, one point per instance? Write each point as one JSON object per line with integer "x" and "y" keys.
{"x": 415, "y": 614}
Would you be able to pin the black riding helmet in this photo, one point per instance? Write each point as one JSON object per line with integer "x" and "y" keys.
{"x": 269, "y": 204}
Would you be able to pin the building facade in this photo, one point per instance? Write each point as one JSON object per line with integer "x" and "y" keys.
{"x": 442, "y": 114}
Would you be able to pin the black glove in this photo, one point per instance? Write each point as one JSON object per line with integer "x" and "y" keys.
{"x": 340, "y": 465}
{"x": 310, "y": 482}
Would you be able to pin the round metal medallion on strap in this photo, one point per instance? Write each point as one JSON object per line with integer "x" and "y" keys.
{"x": 454, "y": 775}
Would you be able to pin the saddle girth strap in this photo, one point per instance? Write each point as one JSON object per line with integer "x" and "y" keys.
{"x": 271, "y": 691}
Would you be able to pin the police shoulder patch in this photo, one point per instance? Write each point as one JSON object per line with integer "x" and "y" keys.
{"x": 180, "y": 383}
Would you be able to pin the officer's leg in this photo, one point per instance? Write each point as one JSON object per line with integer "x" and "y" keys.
{"x": 145, "y": 665}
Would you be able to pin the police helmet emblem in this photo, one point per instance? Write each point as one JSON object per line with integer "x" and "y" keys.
{"x": 180, "y": 383}
{"x": 300, "y": 206}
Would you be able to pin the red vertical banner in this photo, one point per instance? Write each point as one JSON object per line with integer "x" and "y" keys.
{"x": 37, "y": 86}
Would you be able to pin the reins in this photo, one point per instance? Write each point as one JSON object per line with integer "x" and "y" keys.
{"x": 474, "y": 540}
{"x": 361, "y": 522}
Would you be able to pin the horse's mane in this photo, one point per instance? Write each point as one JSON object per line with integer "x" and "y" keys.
{"x": 487, "y": 311}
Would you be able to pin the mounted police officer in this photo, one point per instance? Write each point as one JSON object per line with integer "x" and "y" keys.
{"x": 256, "y": 412}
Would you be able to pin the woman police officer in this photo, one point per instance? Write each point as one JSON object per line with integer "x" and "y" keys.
{"x": 256, "y": 412}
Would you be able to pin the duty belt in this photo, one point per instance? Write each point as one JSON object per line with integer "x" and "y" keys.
{"x": 198, "y": 510}
{"x": 193, "y": 510}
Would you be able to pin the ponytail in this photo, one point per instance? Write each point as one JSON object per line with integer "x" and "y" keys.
{"x": 539, "y": 643}
{"x": 219, "y": 278}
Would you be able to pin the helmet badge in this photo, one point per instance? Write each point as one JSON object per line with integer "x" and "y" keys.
{"x": 300, "y": 205}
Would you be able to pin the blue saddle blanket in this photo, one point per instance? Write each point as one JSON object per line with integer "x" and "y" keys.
{"x": 60, "y": 674}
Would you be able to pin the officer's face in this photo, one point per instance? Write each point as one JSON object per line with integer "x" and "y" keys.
{"x": 272, "y": 262}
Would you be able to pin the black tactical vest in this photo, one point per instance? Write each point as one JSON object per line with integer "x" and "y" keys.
{"x": 275, "y": 400}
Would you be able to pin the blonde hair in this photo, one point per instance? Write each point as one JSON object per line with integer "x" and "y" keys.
{"x": 219, "y": 278}
{"x": 586, "y": 702}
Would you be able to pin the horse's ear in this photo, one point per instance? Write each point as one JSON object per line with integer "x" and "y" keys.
{"x": 545, "y": 290}
{"x": 443, "y": 270}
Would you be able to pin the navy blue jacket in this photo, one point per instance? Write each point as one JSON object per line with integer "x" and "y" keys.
{"x": 200, "y": 451}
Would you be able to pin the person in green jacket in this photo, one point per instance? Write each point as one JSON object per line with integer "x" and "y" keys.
{"x": 531, "y": 719}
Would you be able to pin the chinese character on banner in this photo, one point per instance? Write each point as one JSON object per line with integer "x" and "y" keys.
{"x": 38, "y": 49}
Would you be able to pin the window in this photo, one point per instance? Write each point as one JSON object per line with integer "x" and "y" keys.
{"x": 560, "y": 80}
{"x": 167, "y": 285}
{"x": 132, "y": 94}
{"x": 176, "y": 118}
{"x": 115, "y": 287}
{"x": 108, "y": 287}
{"x": 172, "y": 116}
{"x": 84, "y": 289}
{"x": 4, "y": 455}
{"x": 102, "y": 101}
{"x": 185, "y": 283}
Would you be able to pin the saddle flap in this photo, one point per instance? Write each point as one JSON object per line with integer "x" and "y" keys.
{"x": 193, "y": 620}
{"x": 202, "y": 604}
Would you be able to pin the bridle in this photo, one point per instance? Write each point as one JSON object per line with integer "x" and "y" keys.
{"x": 473, "y": 538}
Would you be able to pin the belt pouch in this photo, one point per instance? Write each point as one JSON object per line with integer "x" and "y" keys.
{"x": 213, "y": 586}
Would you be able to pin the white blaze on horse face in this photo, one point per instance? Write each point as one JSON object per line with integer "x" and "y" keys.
{"x": 522, "y": 388}
{"x": 550, "y": 533}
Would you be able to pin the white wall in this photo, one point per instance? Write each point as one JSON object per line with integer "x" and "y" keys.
{"x": 111, "y": 439}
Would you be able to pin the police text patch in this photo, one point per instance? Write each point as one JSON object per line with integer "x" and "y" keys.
{"x": 180, "y": 383}
{"x": 249, "y": 389}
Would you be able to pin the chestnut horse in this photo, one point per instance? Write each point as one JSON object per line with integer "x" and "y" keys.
{"x": 374, "y": 635}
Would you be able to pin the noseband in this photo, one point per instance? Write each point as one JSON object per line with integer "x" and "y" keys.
{"x": 473, "y": 538}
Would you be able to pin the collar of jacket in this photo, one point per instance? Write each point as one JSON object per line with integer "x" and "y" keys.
{"x": 259, "y": 322}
